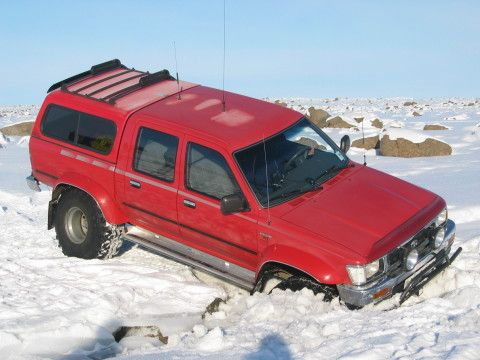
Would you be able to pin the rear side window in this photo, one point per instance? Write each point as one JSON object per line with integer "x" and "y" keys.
{"x": 87, "y": 131}
{"x": 60, "y": 123}
{"x": 208, "y": 173}
{"x": 155, "y": 154}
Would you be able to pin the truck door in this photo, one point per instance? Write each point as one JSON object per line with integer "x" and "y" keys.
{"x": 150, "y": 181}
{"x": 207, "y": 177}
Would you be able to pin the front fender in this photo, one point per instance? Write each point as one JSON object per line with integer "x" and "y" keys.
{"x": 326, "y": 270}
{"x": 105, "y": 201}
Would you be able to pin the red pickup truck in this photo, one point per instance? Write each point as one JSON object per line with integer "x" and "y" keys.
{"x": 246, "y": 190}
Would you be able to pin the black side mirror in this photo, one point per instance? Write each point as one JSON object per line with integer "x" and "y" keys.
{"x": 233, "y": 203}
{"x": 345, "y": 143}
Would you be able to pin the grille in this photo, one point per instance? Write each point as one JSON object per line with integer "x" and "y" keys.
{"x": 423, "y": 242}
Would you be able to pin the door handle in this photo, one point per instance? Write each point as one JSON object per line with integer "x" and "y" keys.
{"x": 189, "y": 203}
{"x": 135, "y": 184}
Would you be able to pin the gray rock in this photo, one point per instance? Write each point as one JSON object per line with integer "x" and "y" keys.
{"x": 406, "y": 148}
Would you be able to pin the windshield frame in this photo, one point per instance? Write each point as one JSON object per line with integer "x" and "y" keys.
{"x": 316, "y": 128}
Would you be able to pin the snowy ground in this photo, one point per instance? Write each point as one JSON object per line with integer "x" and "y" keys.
{"x": 57, "y": 307}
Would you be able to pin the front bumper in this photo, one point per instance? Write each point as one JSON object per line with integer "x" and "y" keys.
{"x": 407, "y": 283}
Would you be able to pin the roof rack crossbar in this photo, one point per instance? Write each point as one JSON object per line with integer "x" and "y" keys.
{"x": 144, "y": 81}
{"x": 94, "y": 70}
{"x": 115, "y": 84}
{"x": 103, "y": 79}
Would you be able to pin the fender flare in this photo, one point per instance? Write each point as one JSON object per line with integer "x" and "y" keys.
{"x": 106, "y": 203}
{"x": 323, "y": 269}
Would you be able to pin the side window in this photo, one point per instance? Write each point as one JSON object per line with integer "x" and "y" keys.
{"x": 208, "y": 173}
{"x": 155, "y": 154}
{"x": 91, "y": 132}
{"x": 60, "y": 123}
{"x": 95, "y": 133}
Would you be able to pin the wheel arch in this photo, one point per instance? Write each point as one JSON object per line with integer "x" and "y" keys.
{"x": 104, "y": 201}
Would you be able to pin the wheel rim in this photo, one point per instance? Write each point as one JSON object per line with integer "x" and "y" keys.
{"x": 76, "y": 225}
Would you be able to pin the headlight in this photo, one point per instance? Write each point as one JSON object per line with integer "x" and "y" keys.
{"x": 360, "y": 274}
{"x": 411, "y": 260}
{"x": 442, "y": 217}
{"x": 439, "y": 237}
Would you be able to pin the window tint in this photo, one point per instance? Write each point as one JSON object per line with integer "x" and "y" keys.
{"x": 155, "y": 154}
{"x": 60, "y": 123}
{"x": 87, "y": 131}
{"x": 95, "y": 133}
{"x": 208, "y": 173}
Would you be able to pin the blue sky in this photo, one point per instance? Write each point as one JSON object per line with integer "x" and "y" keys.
{"x": 274, "y": 48}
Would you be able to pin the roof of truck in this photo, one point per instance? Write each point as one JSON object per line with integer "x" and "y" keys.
{"x": 245, "y": 120}
{"x": 118, "y": 89}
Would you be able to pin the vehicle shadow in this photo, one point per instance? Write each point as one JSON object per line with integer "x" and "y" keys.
{"x": 271, "y": 347}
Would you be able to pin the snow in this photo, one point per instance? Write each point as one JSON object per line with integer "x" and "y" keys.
{"x": 56, "y": 307}
{"x": 411, "y": 135}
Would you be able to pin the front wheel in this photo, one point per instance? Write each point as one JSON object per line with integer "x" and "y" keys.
{"x": 81, "y": 228}
{"x": 297, "y": 283}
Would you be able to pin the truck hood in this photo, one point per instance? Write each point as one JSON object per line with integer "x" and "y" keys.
{"x": 365, "y": 210}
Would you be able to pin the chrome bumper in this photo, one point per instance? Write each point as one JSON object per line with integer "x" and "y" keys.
{"x": 33, "y": 183}
{"x": 423, "y": 272}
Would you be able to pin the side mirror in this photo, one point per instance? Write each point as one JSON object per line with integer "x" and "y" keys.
{"x": 233, "y": 203}
{"x": 345, "y": 143}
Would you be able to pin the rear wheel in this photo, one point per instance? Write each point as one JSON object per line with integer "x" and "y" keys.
{"x": 81, "y": 228}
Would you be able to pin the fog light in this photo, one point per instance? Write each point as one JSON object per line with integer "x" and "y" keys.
{"x": 439, "y": 237}
{"x": 412, "y": 259}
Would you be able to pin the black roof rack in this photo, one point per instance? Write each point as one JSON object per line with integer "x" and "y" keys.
{"x": 94, "y": 70}
{"x": 144, "y": 79}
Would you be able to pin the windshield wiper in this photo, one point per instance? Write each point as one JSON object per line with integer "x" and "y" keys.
{"x": 331, "y": 169}
{"x": 314, "y": 185}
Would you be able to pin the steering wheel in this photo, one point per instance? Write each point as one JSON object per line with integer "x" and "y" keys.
{"x": 297, "y": 159}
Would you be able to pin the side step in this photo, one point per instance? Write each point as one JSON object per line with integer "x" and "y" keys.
{"x": 184, "y": 254}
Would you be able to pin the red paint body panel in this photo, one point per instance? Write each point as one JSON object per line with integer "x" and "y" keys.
{"x": 358, "y": 216}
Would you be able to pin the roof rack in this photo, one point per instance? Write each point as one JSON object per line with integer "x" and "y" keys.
{"x": 94, "y": 70}
{"x": 144, "y": 79}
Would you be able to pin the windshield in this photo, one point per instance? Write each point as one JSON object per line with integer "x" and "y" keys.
{"x": 299, "y": 159}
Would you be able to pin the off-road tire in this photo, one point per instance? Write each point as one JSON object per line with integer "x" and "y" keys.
{"x": 297, "y": 283}
{"x": 96, "y": 238}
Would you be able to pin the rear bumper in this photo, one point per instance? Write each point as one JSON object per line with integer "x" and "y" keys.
{"x": 407, "y": 283}
{"x": 33, "y": 183}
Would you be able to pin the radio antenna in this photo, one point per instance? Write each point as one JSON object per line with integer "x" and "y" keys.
{"x": 176, "y": 71}
{"x": 266, "y": 179}
{"x": 364, "y": 149}
{"x": 223, "y": 75}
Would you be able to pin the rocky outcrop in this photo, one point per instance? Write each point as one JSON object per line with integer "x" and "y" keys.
{"x": 338, "y": 123}
{"x": 377, "y": 123}
{"x": 405, "y": 148}
{"x": 372, "y": 142}
{"x": 20, "y": 129}
{"x": 409, "y": 103}
{"x": 434, "y": 127}
{"x": 318, "y": 117}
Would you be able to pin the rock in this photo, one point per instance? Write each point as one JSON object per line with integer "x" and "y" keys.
{"x": 358, "y": 119}
{"x": 416, "y": 114}
{"x": 405, "y": 148}
{"x": 409, "y": 103}
{"x": 338, "y": 123}
{"x": 213, "y": 306}
{"x": 318, "y": 117}
{"x": 377, "y": 123}
{"x": 310, "y": 143}
{"x": 434, "y": 127}
{"x": 143, "y": 331}
{"x": 471, "y": 104}
{"x": 20, "y": 129}
{"x": 281, "y": 103}
{"x": 372, "y": 142}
